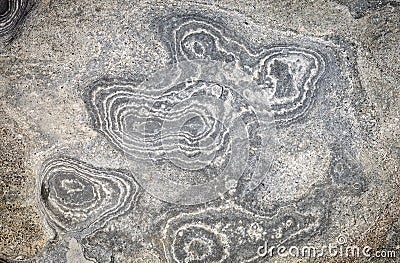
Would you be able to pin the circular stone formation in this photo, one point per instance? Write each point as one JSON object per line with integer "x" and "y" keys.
{"x": 12, "y": 13}
{"x": 230, "y": 233}
{"x": 187, "y": 133}
{"x": 77, "y": 197}
{"x": 198, "y": 243}
{"x": 287, "y": 77}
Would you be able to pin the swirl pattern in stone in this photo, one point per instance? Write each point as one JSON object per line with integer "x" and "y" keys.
{"x": 12, "y": 14}
{"x": 75, "y": 196}
{"x": 194, "y": 134}
{"x": 193, "y": 37}
{"x": 231, "y": 233}
{"x": 287, "y": 76}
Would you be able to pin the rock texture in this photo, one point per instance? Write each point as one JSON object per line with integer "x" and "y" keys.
{"x": 207, "y": 131}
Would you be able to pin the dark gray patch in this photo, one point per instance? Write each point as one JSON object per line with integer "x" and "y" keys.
{"x": 288, "y": 77}
{"x": 360, "y": 8}
{"x": 102, "y": 245}
{"x": 12, "y": 15}
{"x": 347, "y": 173}
{"x": 4, "y": 7}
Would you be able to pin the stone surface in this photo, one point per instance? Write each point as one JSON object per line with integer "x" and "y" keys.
{"x": 209, "y": 131}
{"x": 22, "y": 230}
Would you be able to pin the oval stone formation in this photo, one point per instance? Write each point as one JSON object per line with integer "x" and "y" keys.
{"x": 75, "y": 196}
